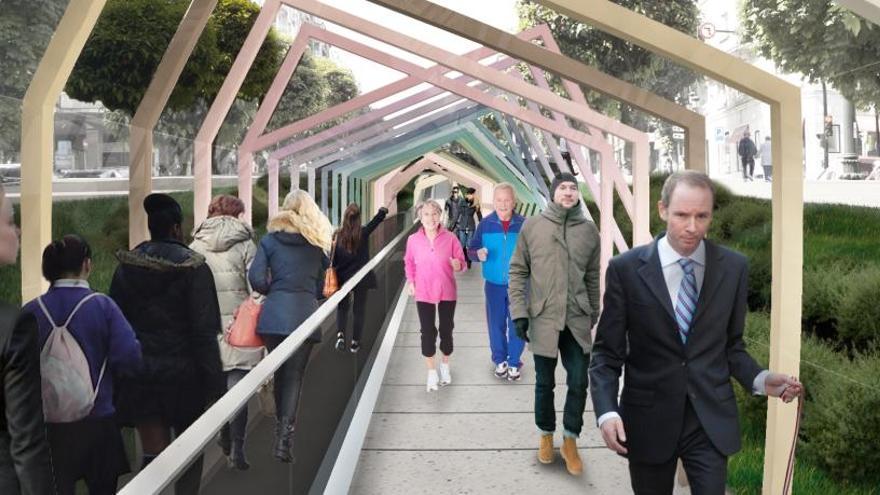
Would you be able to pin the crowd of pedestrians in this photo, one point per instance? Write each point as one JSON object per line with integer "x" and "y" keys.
{"x": 152, "y": 354}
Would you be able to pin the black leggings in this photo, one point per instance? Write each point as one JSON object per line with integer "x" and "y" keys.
{"x": 360, "y": 306}
{"x": 289, "y": 377}
{"x": 427, "y": 311}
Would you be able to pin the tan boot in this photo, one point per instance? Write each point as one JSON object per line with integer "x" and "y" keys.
{"x": 569, "y": 452}
{"x": 545, "y": 451}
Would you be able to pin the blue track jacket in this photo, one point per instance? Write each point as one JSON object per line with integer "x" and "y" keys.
{"x": 490, "y": 235}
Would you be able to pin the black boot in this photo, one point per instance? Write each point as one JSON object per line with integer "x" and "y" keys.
{"x": 284, "y": 440}
{"x": 225, "y": 440}
{"x": 237, "y": 459}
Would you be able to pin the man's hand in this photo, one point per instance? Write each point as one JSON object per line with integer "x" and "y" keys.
{"x": 783, "y": 386}
{"x": 614, "y": 435}
{"x": 522, "y": 328}
{"x": 482, "y": 254}
{"x": 456, "y": 265}
{"x": 410, "y": 288}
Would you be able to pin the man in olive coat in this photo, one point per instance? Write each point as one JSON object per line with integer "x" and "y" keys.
{"x": 554, "y": 302}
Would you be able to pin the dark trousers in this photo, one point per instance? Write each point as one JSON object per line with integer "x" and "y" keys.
{"x": 464, "y": 237}
{"x": 705, "y": 466}
{"x": 89, "y": 449}
{"x": 289, "y": 377}
{"x": 576, "y": 364}
{"x": 768, "y": 172}
{"x": 748, "y": 164}
{"x": 238, "y": 425}
{"x": 427, "y": 313}
{"x": 360, "y": 306}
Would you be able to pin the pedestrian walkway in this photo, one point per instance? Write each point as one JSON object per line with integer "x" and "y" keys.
{"x": 476, "y": 435}
{"x": 845, "y": 192}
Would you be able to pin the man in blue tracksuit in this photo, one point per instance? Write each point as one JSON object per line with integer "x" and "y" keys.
{"x": 493, "y": 244}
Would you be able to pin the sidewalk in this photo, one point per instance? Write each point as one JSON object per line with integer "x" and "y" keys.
{"x": 847, "y": 192}
{"x": 476, "y": 435}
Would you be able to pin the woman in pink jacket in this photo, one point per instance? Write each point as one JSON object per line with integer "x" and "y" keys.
{"x": 433, "y": 255}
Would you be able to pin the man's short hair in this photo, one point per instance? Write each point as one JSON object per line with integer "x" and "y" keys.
{"x": 689, "y": 177}
{"x": 504, "y": 185}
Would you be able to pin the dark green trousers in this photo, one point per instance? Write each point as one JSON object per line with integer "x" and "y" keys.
{"x": 576, "y": 364}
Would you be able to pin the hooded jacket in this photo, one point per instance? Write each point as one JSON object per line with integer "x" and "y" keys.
{"x": 227, "y": 244}
{"x": 554, "y": 277}
{"x": 166, "y": 291}
{"x": 289, "y": 271}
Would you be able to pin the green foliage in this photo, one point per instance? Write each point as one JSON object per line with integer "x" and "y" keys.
{"x": 129, "y": 39}
{"x": 859, "y": 313}
{"x": 26, "y": 26}
{"x": 819, "y": 39}
{"x": 824, "y": 288}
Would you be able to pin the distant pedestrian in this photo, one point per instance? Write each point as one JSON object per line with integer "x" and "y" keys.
{"x": 747, "y": 150}
{"x": 166, "y": 291}
{"x": 767, "y": 158}
{"x": 493, "y": 244}
{"x": 288, "y": 269}
{"x": 450, "y": 208}
{"x": 89, "y": 447}
{"x": 433, "y": 255}
{"x": 25, "y": 467}
{"x": 350, "y": 253}
{"x": 227, "y": 243}
{"x": 468, "y": 215}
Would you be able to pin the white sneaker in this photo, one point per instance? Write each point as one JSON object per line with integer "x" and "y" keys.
{"x": 513, "y": 373}
{"x": 445, "y": 374}
{"x": 433, "y": 379}
{"x": 501, "y": 370}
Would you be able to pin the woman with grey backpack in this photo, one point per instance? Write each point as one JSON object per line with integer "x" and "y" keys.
{"x": 85, "y": 343}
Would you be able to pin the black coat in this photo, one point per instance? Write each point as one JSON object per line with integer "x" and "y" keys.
{"x": 166, "y": 291}
{"x": 347, "y": 264}
{"x": 637, "y": 330}
{"x": 468, "y": 215}
{"x": 24, "y": 451}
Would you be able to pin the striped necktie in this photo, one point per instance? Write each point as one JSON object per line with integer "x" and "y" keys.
{"x": 686, "y": 305}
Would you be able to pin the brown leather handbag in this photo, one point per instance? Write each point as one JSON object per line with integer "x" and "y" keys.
{"x": 331, "y": 280}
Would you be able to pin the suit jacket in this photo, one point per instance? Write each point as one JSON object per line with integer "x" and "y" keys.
{"x": 24, "y": 451}
{"x": 638, "y": 332}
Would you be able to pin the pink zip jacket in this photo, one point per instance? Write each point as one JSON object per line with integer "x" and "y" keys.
{"x": 428, "y": 266}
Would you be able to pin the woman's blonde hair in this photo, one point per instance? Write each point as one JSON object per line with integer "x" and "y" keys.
{"x": 300, "y": 214}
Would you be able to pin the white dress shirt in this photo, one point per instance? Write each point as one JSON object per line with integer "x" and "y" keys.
{"x": 673, "y": 273}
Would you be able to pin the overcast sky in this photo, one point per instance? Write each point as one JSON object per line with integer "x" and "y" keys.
{"x": 498, "y": 13}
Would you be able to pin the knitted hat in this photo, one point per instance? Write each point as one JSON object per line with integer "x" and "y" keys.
{"x": 162, "y": 211}
{"x": 559, "y": 179}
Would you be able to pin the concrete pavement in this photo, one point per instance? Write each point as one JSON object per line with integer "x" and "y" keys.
{"x": 847, "y": 192}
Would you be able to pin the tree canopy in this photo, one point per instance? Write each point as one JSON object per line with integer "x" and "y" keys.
{"x": 819, "y": 39}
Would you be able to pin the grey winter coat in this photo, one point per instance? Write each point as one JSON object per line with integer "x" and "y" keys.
{"x": 554, "y": 278}
{"x": 227, "y": 244}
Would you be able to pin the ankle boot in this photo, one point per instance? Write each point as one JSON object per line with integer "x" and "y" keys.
{"x": 284, "y": 439}
{"x": 571, "y": 456}
{"x": 545, "y": 450}
{"x": 237, "y": 458}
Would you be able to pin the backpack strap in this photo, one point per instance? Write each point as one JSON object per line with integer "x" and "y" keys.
{"x": 46, "y": 312}
{"x": 98, "y": 384}
{"x": 79, "y": 305}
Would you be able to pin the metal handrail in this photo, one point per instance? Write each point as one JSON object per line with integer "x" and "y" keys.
{"x": 187, "y": 447}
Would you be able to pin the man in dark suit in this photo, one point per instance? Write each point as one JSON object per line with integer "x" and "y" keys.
{"x": 673, "y": 316}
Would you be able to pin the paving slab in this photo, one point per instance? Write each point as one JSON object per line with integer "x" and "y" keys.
{"x": 464, "y": 399}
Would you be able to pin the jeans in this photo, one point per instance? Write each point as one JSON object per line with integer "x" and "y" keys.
{"x": 576, "y": 364}
{"x": 506, "y": 346}
{"x": 238, "y": 425}
{"x": 748, "y": 165}
{"x": 289, "y": 377}
{"x": 768, "y": 172}
{"x": 464, "y": 237}
{"x": 427, "y": 312}
{"x": 358, "y": 309}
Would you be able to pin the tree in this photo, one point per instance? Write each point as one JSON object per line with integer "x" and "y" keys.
{"x": 129, "y": 39}
{"x": 821, "y": 40}
{"x": 620, "y": 58}
{"x": 26, "y": 26}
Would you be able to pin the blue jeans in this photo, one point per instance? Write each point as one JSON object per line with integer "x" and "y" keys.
{"x": 503, "y": 341}
{"x": 464, "y": 237}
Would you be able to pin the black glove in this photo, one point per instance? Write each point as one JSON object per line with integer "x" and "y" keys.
{"x": 383, "y": 210}
{"x": 522, "y": 328}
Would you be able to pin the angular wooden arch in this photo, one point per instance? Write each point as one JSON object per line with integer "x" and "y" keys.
{"x": 787, "y": 198}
